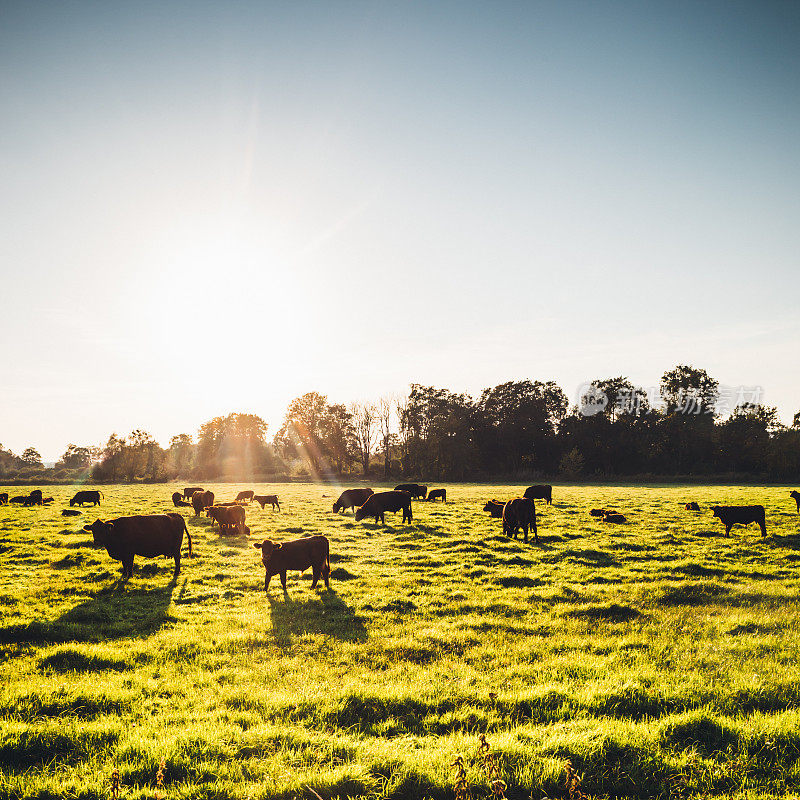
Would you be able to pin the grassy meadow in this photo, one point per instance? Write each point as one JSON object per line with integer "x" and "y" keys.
{"x": 660, "y": 657}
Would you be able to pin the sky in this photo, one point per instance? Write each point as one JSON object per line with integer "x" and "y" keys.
{"x": 217, "y": 207}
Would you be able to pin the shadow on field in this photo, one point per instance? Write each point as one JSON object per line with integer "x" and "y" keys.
{"x": 325, "y": 613}
{"x": 113, "y": 613}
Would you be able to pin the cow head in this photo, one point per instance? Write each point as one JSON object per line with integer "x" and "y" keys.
{"x": 715, "y": 511}
{"x": 267, "y": 548}
{"x": 336, "y": 507}
{"x": 101, "y": 532}
{"x": 361, "y": 512}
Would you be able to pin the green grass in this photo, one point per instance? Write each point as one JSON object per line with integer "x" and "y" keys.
{"x": 660, "y": 657}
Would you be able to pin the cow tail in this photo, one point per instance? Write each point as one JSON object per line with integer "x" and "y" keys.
{"x": 188, "y": 536}
{"x": 102, "y": 496}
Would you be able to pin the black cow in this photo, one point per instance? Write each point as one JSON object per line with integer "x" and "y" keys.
{"x": 693, "y": 506}
{"x": 598, "y": 512}
{"x": 615, "y": 517}
{"x": 351, "y": 498}
{"x": 246, "y": 495}
{"x": 300, "y": 554}
{"x": 435, "y": 494}
{"x": 178, "y": 501}
{"x": 87, "y": 496}
{"x": 740, "y": 515}
{"x": 190, "y": 490}
{"x": 542, "y": 491}
{"x": 4, "y": 499}
{"x": 495, "y": 508}
{"x": 70, "y": 512}
{"x": 377, "y": 505}
{"x": 416, "y": 490}
{"x": 263, "y": 499}
{"x": 20, "y": 499}
{"x": 146, "y": 535}
{"x": 796, "y": 496}
{"x": 36, "y": 497}
{"x": 520, "y": 513}
{"x": 202, "y": 500}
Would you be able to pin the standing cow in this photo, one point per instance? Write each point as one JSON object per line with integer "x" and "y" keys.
{"x": 300, "y": 554}
{"x": 542, "y": 491}
{"x": 416, "y": 490}
{"x": 87, "y": 496}
{"x": 796, "y": 496}
{"x": 520, "y": 513}
{"x": 378, "y": 504}
{"x": 201, "y": 501}
{"x": 351, "y": 498}
{"x": 438, "y": 494}
{"x": 245, "y": 496}
{"x": 740, "y": 515}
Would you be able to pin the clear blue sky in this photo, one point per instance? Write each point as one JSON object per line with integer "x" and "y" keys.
{"x": 215, "y": 207}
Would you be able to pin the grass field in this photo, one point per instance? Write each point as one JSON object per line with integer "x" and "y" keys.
{"x": 660, "y": 657}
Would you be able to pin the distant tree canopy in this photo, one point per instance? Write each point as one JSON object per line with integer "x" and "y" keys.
{"x": 516, "y": 429}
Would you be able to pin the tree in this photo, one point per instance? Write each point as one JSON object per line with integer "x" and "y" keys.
{"x": 301, "y": 434}
{"x": 364, "y": 417}
{"x": 689, "y": 390}
{"x": 75, "y": 458}
{"x": 31, "y": 457}
{"x": 385, "y": 428}
{"x": 181, "y": 454}
{"x": 232, "y": 445}
{"x": 339, "y": 437}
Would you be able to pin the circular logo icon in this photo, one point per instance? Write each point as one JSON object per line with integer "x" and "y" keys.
{"x": 591, "y": 400}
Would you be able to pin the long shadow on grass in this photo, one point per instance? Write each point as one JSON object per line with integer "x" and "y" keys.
{"x": 325, "y": 614}
{"x": 113, "y": 613}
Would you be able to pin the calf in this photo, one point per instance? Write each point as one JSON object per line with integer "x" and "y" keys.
{"x": 87, "y": 496}
{"x": 263, "y": 499}
{"x": 495, "y": 508}
{"x": 246, "y": 495}
{"x": 300, "y": 554}
{"x": 201, "y": 501}
{"x": 416, "y": 490}
{"x": 378, "y": 504}
{"x": 435, "y": 494}
{"x": 740, "y": 515}
{"x": 795, "y": 495}
{"x": 351, "y": 498}
{"x": 542, "y": 491}
{"x": 229, "y": 518}
{"x": 520, "y": 513}
{"x": 145, "y": 535}
{"x": 692, "y": 506}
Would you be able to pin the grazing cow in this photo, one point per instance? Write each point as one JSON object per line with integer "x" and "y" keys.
{"x": 229, "y": 518}
{"x": 246, "y": 495}
{"x": 70, "y": 512}
{"x": 495, "y": 508}
{"x": 146, "y": 535}
{"x": 19, "y": 499}
{"x": 376, "y": 505}
{"x": 4, "y": 499}
{"x": 740, "y": 515}
{"x": 190, "y": 490}
{"x": 47, "y": 500}
{"x": 692, "y": 506}
{"x": 598, "y": 512}
{"x": 435, "y": 494}
{"x": 615, "y": 517}
{"x": 520, "y": 513}
{"x": 87, "y": 496}
{"x": 300, "y": 554}
{"x": 178, "y": 501}
{"x": 351, "y": 498}
{"x": 542, "y": 491}
{"x": 263, "y": 499}
{"x": 795, "y": 495}
{"x": 416, "y": 490}
{"x": 33, "y": 499}
{"x": 202, "y": 500}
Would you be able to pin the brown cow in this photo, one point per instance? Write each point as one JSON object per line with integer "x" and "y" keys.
{"x": 740, "y": 515}
{"x": 520, "y": 513}
{"x": 263, "y": 499}
{"x": 495, "y": 508}
{"x": 693, "y": 506}
{"x": 542, "y": 491}
{"x": 377, "y": 505}
{"x": 178, "y": 501}
{"x": 190, "y": 490}
{"x": 145, "y": 535}
{"x": 300, "y": 554}
{"x": 229, "y": 518}
{"x": 416, "y": 490}
{"x": 615, "y": 517}
{"x": 436, "y": 494}
{"x": 796, "y": 496}
{"x": 202, "y": 500}
{"x": 351, "y": 498}
{"x": 597, "y": 512}
{"x": 246, "y": 495}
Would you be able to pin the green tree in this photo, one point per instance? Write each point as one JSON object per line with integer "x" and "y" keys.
{"x": 31, "y": 457}
{"x": 75, "y": 458}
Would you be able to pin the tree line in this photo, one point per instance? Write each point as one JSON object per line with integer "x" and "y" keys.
{"x": 518, "y": 429}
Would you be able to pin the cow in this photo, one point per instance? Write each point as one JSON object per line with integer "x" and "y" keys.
{"x": 416, "y": 490}
{"x": 740, "y": 515}
{"x": 178, "y": 501}
{"x": 4, "y": 499}
{"x": 435, "y": 494}
{"x": 20, "y": 499}
{"x": 263, "y": 499}
{"x": 70, "y": 512}
{"x": 201, "y": 500}
{"x": 33, "y": 499}
{"x": 229, "y": 518}
{"x": 693, "y": 506}
{"x": 795, "y": 495}
{"x": 615, "y": 517}
{"x": 146, "y": 535}
{"x": 47, "y": 500}
{"x": 190, "y": 490}
{"x": 376, "y": 505}
{"x": 351, "y": 498}
{"x": 87, "y": 496}
{"x": 598, "y": 512}
{"x": 520, "y": 513}
{"x": 246, "y": 495}
{"x": 495, "y": 508}
{"x": 300, "y": 554}
{"x": 542, "y": 491}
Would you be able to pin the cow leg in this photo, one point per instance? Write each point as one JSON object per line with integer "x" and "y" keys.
{"x": 283, "y": 580}
{"x": 525, "y": 531}
{"x": 727, "y": 530}
{"x": 177, "y": 563}
{"x": 535, "y": 532}
{"x": 314, "y": 577}
{"x": 127, "y": 568}
{"x": 267, "y": 576}
{"x": 763, "y": 528}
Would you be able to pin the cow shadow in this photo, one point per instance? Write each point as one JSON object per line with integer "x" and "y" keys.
{"x": 326, "y": 614}
{"x": 116, "y": 612}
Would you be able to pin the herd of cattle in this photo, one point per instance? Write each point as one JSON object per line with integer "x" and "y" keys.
{"x": 150, "y": 535}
